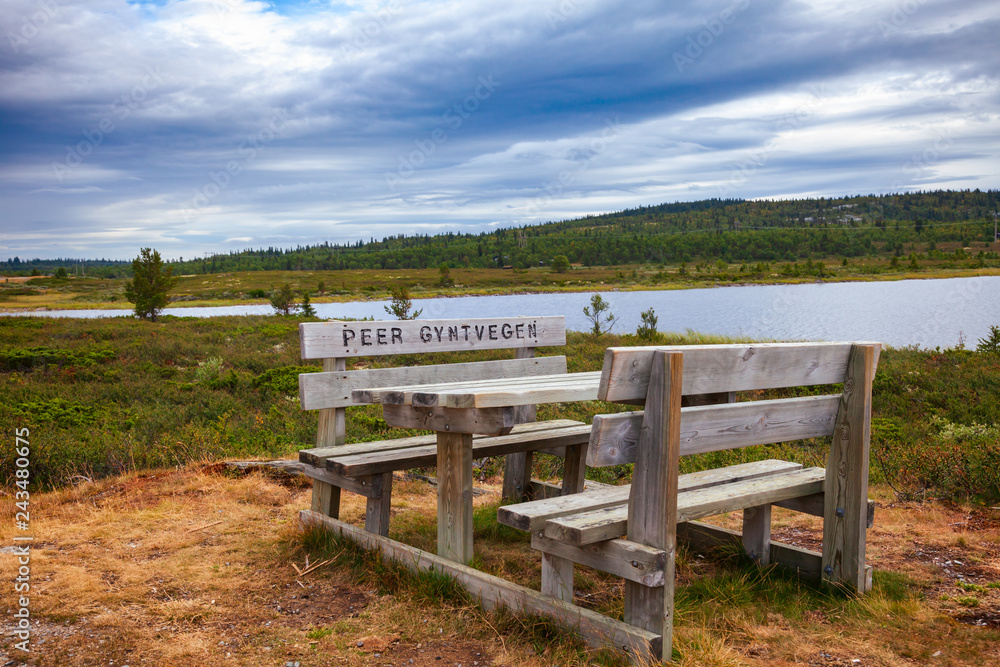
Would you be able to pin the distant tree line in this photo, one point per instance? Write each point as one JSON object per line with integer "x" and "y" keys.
{"x": 728, "y": 229}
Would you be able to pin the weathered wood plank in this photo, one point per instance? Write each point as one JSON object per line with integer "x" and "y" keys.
{"x": 757, "y": 533}
{"x": 516, "y": 476}
{"x": 557, "y": 577}
{"x": 624, "y": 558}
{"x": 331, "y": 430}
{"x": 455, "y": 496}
{"x": 486, "y": 421}
{"x": 377, "y": 507}
{"x": 611, "y": 522}
{"x": 814, "y": 506}
{"x": 711, "y": 428}
{"x": 517, "y": 465}
{"x": 846, "y": 514}
{"x": 559, "y": 388}
{"x": 333, "y": 389}
{"x": 652, "y": 507}
{"x": 597, "y": 630}
{"x": 532, "y": 516}
{"x": 359, "y": 339}
{"x": 495, "y": 393}
{"x": 716, "y": 368}
{"x": 541, "y": 490}
{"x": 574, "y": 468}
{"x": 325, "y": 499}
{"x": 318, "y": 456}
{"x": 359, "y": 485}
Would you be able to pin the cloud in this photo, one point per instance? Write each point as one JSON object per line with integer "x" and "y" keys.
{"x": 142, "y": 111}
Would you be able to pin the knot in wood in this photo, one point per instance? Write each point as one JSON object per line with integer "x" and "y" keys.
{"x": 842, "y": 469}
{"x": 749, "y": 353}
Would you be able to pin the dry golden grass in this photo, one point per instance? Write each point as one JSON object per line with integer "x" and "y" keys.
{"x": 193, "y": 567}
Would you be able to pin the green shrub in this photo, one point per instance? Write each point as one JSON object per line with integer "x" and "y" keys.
{"x": 58, "y": 410}
{"x": 284, "y": 380}
{"x": 24, "y": 359}
{"x": 990, "y": 344}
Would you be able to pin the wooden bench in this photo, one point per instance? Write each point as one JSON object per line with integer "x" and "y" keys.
{"x": 366, "y": 468}
{"x": 586, "y": 528}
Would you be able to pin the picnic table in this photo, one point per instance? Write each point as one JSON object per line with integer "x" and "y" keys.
{"x": 456, "y": 411}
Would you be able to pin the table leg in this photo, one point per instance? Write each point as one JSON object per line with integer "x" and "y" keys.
{"x": 454, "y": 452}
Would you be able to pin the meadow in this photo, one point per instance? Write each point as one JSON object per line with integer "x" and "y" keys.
{"x": 109, "y": 396}
{"x": 152, "y": 552}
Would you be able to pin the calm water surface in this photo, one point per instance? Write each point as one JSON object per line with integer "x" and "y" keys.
{"x": 927, "y": 313}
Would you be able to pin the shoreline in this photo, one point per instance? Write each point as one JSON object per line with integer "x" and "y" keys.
{"x": 15, "y": 310}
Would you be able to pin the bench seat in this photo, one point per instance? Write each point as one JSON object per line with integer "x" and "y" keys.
{"x": 532, "y": 516}
{"x": 371, "y": 458}
{"x": 596, "y": 525}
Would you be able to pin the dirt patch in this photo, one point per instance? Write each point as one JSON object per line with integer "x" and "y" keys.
{"x": 983, "y": 520}
{"x": 319, "y": 603}
{"x": 435, "y": 654}
{"x": 799, "y": 537}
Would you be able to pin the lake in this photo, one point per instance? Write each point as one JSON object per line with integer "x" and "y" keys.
{"x": 927, "y": 313}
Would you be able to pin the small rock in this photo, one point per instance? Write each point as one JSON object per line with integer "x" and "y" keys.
{"x": 360, "y": 643}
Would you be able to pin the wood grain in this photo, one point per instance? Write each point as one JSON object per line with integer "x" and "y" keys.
{"x": 846, "y": 511}
{"x": 652, "y": 507}
{"x": 487, "y": 393}
{"x": 532, "y": 516}
{"x": 330, "y": 431}
{"x": 333, "y": 390}
{"x": 611, "y": 522}
{"x": 624, "y": 558}
{"x": 486, "y": 421}
{"x": 318, "y": 456}
{"x": 455, "y": 496}
{"x": 712, "y": 428}
{"x": 319, "y": 340}
{"x": 717, "y": 368}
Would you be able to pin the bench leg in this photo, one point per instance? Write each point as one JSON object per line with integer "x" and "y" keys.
{"x": 517, "y": 477}
{"x": 574, "y": 468}
{"x": 757, "y": 533}
{"x": 557, "y": 577}
{"x": 454, "y": 457}
{"x": 652, "y": 608}
{"x": 326, "y": 499}
{"x": 377, "y": 509}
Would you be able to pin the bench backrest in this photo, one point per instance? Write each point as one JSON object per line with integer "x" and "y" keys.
{"x": 655, "y": 438}
{"x": 335, "y": 342}
{"x": 725, "y": 368}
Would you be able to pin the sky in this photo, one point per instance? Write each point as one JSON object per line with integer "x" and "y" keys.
{"x": 203, "y": 126}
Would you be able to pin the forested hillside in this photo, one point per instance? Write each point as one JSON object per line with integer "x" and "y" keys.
{"x": 703, "y": 231}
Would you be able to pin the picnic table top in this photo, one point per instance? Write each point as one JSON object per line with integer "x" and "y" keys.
{"x": 504, "y": 392}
